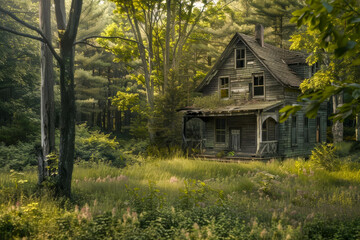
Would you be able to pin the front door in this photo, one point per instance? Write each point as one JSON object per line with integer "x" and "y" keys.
{"x": 235, "y": 139}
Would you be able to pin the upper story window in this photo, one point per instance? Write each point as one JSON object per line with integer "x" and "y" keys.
{"x": 224, "y": 87}
{"x": 240, "y": 58}
{"x": 258, "y": 85}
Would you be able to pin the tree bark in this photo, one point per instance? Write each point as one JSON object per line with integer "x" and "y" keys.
{"x": 67, "y": 92}
{"x": 167, "y": 45}
{"x": 47, "y": 93}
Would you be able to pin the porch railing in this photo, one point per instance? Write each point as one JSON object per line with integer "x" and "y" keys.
{"x": 268, "y": 147}
{"x": 198, "y": 144}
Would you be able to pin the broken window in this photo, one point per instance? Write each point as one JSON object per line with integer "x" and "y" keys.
{"x": 258, "y": 85}
{"x": 224, "y": 87}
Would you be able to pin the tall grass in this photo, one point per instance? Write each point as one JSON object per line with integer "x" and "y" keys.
{"x": 294, "y": 193}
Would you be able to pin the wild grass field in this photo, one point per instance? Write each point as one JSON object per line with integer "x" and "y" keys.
{"x": 181, "y": 198}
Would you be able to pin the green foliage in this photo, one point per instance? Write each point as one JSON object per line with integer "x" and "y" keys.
{"x": 92, "y": 145}
{"x": 197, "y": 193}
{"x": 18, "y": 156}
{"x": 191, "y": 200}
{"x": 149, "y": 201}
{"x": 212, "y": 102}
{"x": 124, "y": 101}
{"x": 331, "y": 36}
{"x": 325, "y": 156}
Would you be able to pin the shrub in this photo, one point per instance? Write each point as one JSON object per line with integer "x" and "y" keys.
{"x": 18, "y": 156}
{"x": 92, "y": 145}
{"x": 324, "y": 156}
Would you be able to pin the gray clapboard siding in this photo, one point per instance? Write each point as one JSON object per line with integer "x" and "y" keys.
{"x": 241, "y": 78}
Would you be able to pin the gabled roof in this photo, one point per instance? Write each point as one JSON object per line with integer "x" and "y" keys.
{"x": 274, "y": 59}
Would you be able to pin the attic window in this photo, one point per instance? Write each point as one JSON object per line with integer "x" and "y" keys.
{"x": 258, "y": 85}
{"x": 240, "y": 57}
{"x": 224, "y": 87}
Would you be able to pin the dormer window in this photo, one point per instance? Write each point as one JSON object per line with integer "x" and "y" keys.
{"x": 258, "y": 85}
{"x": 224, "y": 87}
{"x": 240, "y": 56}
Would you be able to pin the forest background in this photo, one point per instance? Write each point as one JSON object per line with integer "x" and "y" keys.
{"x": 130, "y": 84}
{"x": 136, "y": 63}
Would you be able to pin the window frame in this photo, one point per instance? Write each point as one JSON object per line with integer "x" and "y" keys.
{"x": 253, "y": 85}
{"x": 241, "y": 58}
{"x": 221, "y": 88}
{"x": 216, "y": 130}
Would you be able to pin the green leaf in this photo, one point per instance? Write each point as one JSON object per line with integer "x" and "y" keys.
{"x": 328, "y": 7}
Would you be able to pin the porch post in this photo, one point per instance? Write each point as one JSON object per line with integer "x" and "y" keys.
{"x": 258, "y": 131}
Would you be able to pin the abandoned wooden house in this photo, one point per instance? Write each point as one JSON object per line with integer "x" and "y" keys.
{"x": 259, "y": 79}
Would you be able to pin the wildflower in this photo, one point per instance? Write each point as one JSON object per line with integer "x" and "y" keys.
{"x": 263, "y": 233}
{"x": 113, "y": 212}
{"x": 196, "y": 226}
{"x": 173, "y": 179}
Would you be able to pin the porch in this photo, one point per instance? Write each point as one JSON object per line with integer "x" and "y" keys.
{"x": 251, "y": 134}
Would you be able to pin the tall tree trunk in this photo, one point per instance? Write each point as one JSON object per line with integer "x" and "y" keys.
{"x": 67, "y": 121}
{"x": 67, "y": 91}
{"x": 47, "y": 93}
{"x": 167, "y": 45}
{"x": 338, "y": 127}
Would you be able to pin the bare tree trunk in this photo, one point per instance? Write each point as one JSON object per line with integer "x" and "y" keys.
{"x": 338, "y": 127}
{"x": 47, "y": 93}
{"x": 67, "y": 91}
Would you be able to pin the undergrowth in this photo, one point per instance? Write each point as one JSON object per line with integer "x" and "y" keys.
{"x": 187, "y": 199}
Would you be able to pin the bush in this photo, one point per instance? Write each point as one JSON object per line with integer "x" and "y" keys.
{"x": 92, "y": 145}
{"x": 325, "y": 156}
{"x": 18, "y": 156}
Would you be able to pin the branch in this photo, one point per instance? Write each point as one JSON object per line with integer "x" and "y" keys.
{"x": 84, "y": 41}
{"x": 21, "y": 34}
{"x": 42, "y": 39}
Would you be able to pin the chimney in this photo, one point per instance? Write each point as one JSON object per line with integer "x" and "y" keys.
{"x": 259, "y": 34}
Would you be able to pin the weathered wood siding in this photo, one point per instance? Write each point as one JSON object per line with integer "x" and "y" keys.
{"x": 247, "y": 127}
{"x": 301, "y": 148}
{"x": 241, "y": 78}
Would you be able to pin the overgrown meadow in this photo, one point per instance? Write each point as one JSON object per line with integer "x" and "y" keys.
{"x": 182, "y": 198}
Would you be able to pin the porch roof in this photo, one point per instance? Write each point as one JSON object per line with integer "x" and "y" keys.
{"x": 249, "y": 107}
